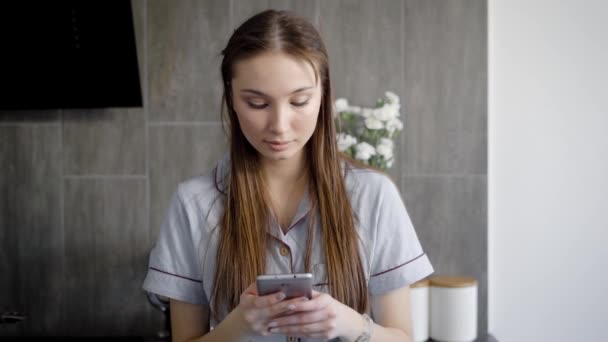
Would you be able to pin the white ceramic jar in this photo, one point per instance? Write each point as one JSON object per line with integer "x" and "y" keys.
{"x": 453, "y": 309}
{"x": 419, "y": 303}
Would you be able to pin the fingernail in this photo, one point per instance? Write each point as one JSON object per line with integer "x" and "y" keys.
{"x": 274, "y": 330}
{"x": 281, "y": 296}
{"x": 291, "y": 307}
{"x": 273, "y": 324}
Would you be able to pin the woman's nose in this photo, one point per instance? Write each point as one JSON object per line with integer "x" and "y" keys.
{"x": 279, "y": 119}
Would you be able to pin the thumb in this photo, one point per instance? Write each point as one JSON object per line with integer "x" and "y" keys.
{"x": 252, "y": 289}
{"x": 316, "y": 294}
{"x": 250, "y": 294}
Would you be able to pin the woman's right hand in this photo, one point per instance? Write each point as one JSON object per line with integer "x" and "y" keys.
{"x": 257, "y": 311}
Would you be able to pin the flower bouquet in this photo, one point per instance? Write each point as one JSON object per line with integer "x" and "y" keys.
{"x": 366, "y": 134}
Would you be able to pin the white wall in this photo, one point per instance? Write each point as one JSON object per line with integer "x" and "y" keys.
{"x": 548, "y": 170}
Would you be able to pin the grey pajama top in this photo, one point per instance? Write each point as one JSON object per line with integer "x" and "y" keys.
{"x": 182, "y": 262}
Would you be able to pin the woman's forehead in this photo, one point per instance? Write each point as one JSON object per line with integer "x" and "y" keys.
{"x": 274, "y": 73}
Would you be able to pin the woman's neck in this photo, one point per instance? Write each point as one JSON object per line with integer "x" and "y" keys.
{"x": 283, "y": 172}
{"x": 286, "y": 183}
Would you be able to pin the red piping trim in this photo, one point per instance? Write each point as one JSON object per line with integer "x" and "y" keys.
{"x": 297, "y": 222}
{"x": 176, "y": 275}
{"x": 396, "y": 267}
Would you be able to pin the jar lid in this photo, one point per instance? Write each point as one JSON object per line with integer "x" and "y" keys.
{"x": 420, "y": 283}
{"x": 451, "y": 281}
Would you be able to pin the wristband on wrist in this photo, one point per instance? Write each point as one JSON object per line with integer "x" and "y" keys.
{"x": 367, "y": 330}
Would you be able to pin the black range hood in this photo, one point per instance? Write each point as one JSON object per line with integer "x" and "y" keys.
{"x": 68, "y": 54}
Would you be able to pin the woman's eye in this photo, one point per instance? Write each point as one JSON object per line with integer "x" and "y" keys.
{"x": 300, "y": 104}
{"x": 257, "y": 105}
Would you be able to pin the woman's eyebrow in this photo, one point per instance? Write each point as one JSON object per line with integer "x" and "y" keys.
{"x": 257, "y": 92}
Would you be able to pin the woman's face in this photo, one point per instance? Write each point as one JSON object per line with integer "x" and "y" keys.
{"x": 277, "y": 103}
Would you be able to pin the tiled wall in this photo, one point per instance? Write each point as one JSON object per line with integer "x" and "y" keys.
{"x": 82, "y": 192}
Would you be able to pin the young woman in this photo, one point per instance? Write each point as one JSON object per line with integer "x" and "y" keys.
{"x": 284, "y": 200}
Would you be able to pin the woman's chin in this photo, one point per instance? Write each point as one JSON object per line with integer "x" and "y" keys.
{"x": 279, "y": 155}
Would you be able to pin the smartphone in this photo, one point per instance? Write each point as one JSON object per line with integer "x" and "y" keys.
{"x": 293, "y": 285}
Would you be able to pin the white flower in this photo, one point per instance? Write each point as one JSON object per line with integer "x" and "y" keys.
{"x": 386, "y": 142}
{"x": 378, "y": 124}
{"x": 386, "y": 112}
{"x": 345, "y": 141}
{"x": 341, "y": 105}
{"x": 394, "y": 125}
{"x": 364, "y": 151}
{"x": 367, "y": 112}
{"x": 395, "y": 107}
{"x": 385, "y": 148}
{"x": 392, "y": 97}
{"x": 354, "y": 109}
{"x": 373, "y": 123}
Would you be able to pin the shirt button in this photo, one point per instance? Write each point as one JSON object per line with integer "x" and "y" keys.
{"x": 284, "y": 252}
{"x": 291, "y": 339}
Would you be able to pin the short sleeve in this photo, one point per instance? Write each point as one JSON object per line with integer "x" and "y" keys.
{"x": 174, "y": 268}
{"x": 398, "y": 259}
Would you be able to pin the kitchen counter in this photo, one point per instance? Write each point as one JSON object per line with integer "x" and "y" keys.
{"x": 487, "y": 338}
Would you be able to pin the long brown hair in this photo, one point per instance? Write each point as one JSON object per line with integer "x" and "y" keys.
{"x": 241, "y": 254}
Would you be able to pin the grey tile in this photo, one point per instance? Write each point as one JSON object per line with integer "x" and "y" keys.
{"x": 363, "y": 40}
{"x": 178, "y": 153}
{"x": 31, "y": 235}
{"x": 450, "y": 216}
{"x": 104, "y": 141}
{"x": 243, "y": 9}
{"x": 184, "y": 44}
{"x": 140, "y": 16}
{"x": 395, "y": 171}
{"x": 445, "y": 46}
{"x": 30, "y": 116}
{"x": 106, "y": 247}
{"x": 306, "y": 9}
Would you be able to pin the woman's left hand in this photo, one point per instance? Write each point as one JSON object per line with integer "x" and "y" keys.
{"x": 321, "y": 317}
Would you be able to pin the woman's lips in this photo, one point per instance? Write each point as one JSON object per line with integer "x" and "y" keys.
{"x": 278, "y": 145}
